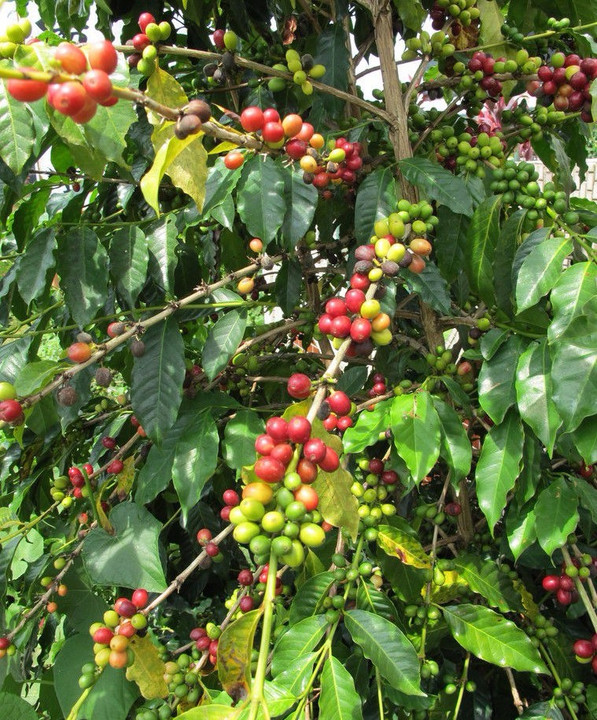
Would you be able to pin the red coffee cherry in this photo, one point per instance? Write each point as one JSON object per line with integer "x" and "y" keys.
{"x": 124, "y": 607}
{"x": 299, "y": 429}
{"x": 339, "y": 403}
{"x": 26, "y": 90}
{"x": 71, "y": 58}
{"x": 299, "y": 386}
{"x": 245, "y": 578}
{"x": 98, "y": 85}
{"x": 11, "y": 411}
{"x": 102, "y": 56}
{"x": 139, "y": 598}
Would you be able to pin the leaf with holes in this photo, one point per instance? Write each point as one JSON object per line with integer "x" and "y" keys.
{"x": 492, "y": 638}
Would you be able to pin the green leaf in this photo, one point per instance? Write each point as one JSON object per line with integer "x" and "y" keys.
{"x": 156, "y": 473}
{"x": 300, "y": 639}
{"x": 162, "y": 87}
{"x": 195, "y": 459}
{"x": 492, "y": 638}
{"x": 148, "y": 667}
{"x": 17, "y": 133}
{"x": 338, "y": 700}
{"x": 16, "y": 708}
{"x": 260, "y": 197}
{"x": 496, "y": 382}
{"x": 455, "y": 444}
{"x": 431, "y": 287}
{"x": 29, "y": 549}
{"x": 532, "y": 241}
{"x": 416, "y": 432}
{"x": 106, "y": 131}
{"x": 557, "y": 514}
{"x": 534, "y": 393}
{"x": 375, "y": 601}
{"x": 438, "y": 184}
{"x": 83, "y": 264}
{"x": 351, "y": 381}
{"x": 499, "y": 466}
{"x": 574, "y": 372}
{"x": 587, "y": 495}
{"x": 212, "y": 711}
{"x": 483, "y": 236}
{"x": 585, "y": 439}
{"x": 156, "y": 386}
{"x": 486, "y": 579}
{"x": 450, "y": 245}
{"x": 402, "y": 545}
{"x": 505, "y": 250}
{"x": 34, "y": 264}
{"x": 332, "y": 52}
{"x": 337, "y": 504}
{"x": 235, "y": 646}
{"x": 309, "y": 597}
{"x": 222, "y": 341}
{"x": 239, "y": 438}
{"x": 130, "y": 557}
{"x": 521, "y": 528}
{"x": 161, "y": 240}
{"x": 33, "y": 376}
{"x": 376, "y": 199}
{"x": 110, "y": 698}
{"x": 219, "y": 185}
{"x": 540, "y": 271}
{"x": 129, "y": 258}
{"x": 289, "y": 283}
{"x": 366, "y": 430}
{"x": 570, "y": 295}
{"x": 296, "y": 675}
{"x": 301, "y": 202}
{"x": 542, "y": 711}
{"x": 412, "y": 13}
{"x": 388, "y": 648}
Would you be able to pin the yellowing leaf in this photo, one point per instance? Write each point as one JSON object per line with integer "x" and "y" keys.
{"x": 223, "y": 147}
{"x": 148, "y": 669}
{"x": 126, "y": 476}
{"x": 163, "y": 88}
{"x": 528, "y": 603}
{"x": 235, "y": 647}
{"x": 398, "y": 543}
{"x": 450, "y": 590}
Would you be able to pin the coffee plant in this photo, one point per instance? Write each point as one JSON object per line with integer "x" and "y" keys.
{"x": 297, "y": 388}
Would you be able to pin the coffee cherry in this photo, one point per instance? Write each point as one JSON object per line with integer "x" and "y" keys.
{"x": 246, "y": 604}
{"x": 124, "y": 607}
{"x": 269, "y": 469}
{"x": 212, "y": 549}
{"x": 102, "y": 56}
{"x": 314, "y": 450}
{"x": 71, "y": 58}
{"x": 115, "y": 467}
{"x": 79, "y": 352}
{"x": 7, "y": 391}
{"x": 299, "y": 429}
{"x": 583, "y": 649}
{"x": 234, "y": 159}
{"x": 339, "y": 402}
{"x": 26, "y": 90}
{"x": 252, "y": 119}
{"x": 299, "y": 386}
{"x": 11, "y": 411}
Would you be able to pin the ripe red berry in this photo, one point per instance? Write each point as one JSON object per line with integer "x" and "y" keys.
{"x": 213, "y": 648}
{"x": 103, "y": 636}
{"x": 230, "y": 497}
{"x": 10, "y": 411}
{"x": 264, "y": 444}
{"x": 26, "y": 90}
{"x": 340, "y": 326}
{"x": 354, "y": 299}
{"x": 269, "y": 469}
{"x": 299, "y": 429}
{"x": 566, "y": 583}
{"x": 212, "y": 549}
{"x": 564, "y": 597}
{"x": 69, "y": 98}
{"x": 234, "y": 159}
{"x": 139, "y": 598}
{"x": 295, "y": 148}
{"x": 246, "y": 603}
{"x": 376, "y": 466}
{"x": 109, "y": 442}
{"x": 79, "y": 352}
{"x": 359, "y": 281}
{"x": 202, "y": 643}
{"x": 339, "y": 402}
{"x": 299, "y": 386}
{"x": 453, "y": 509}
{"x": 197, "y": 633}
{"x": 271, "y": 115}
{"x": 140, "y": 42}
{"x": 98, "y": 86}
{"x": 144, "y": 20}
{"x": 225, "y": 513}
{"x": 115, "y": 467}
{"x": 102, "y": 56}
{"x": 314, "y": 450}
{"x": 325, "y": 323}
{"x": 277, "y": 429}
{"x": 272, "y": 132}
{"x": 335, "y": 306}
{"x": 71, "y": 58}
{"x": 218, "y": 39}
{"x": 283, "y": 452}
{"x": 245, "y": 577}
{"x": 330, "y": 461}
{"x": 360, "y": 330}
{"x": 390, "y": 477}
{"x": 204, "y": 536}
{"x": 307, "y": 471}
{"x": 583, "y": 648}
{"x": 251, "y": 119}
{"x": 344, "y": 423}
{"x": 126, "y": 629}
{"x": 124, "y": 607}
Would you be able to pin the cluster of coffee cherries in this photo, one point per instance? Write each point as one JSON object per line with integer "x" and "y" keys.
{"x": 371, "y": 487}
{"x": 463, "y": 11}
{"x": 563, "y": 587}
{"x": 182, "y": 679}
{"x": 77, "y": 97}
{"x": 6, "y": 647}
{"x": 302, "y": 67}
{"x": 378, "y": 386}
{"x": 566, "y": 83}
{"x": 14, "y": 35}
{"x": 11, "y": 410}
{"x": 569, "y": 694}
{"x": 335, "y": 412}
{"x": 144, "y": 42}
{"x": 437, "y": 44}
{"x": 340, "y": 165}
{"x": 358, "y": 318}
{"x": 472, "y": 153}
{"x": 111, "y": 637}
{"x": 482, "y": 68}
{"x": 586, "y": 651}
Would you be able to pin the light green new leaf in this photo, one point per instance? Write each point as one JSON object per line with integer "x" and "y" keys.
{"x": 534, "y": 393}
{"x": 388, "y": 648}
{"x": 416, "y": 432}
{"x": 556, "y": 512}
{"x": 540, "y": 271}
{"x": 338, "y": 700}
{"x": 492, "y": 638}
{"x": 521, "y": 528}
{"x": 499, "y": 466}
{"x": 162, "y": 87}
{"x": 222, "y": 341}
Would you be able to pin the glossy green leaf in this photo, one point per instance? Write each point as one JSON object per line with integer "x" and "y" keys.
{"x": 223, "y": 339}
{"x": 156, "y": 387}
{"x": 498, "y": 466}
{"x": 587, "y": 495}
{"x": 521, "y": 528}
{"x": 351, "y": 381}
{"x": 449, "y": 247}
{"x": 540, "y": 271}
{"x": 496, "y": 382}
{"x": 239, "y": 438}
{"x": 412, "y": 13}
{"x": 416, "y": 432}
{"x": 156, "y": 473}
{"x": 505, "y": 250}
{"x": 34, "y": 264}
{"x": 17, "y": 134}
{"x": 332, "y": 52}
{"x": 366, "y": 429}
{"x": 107, "y": 129}
{"x": 486, "y": 579}
{"x": 398, "y": 543}
{"x": 585, "y": 439}
{"x": 542, "y": 711}
{"x": 431, "y": 287}
{"x": 338, "y": 700}
{"x": 83, "y": 264}
{"x": 301, "y": 639}
{"x": 219, "y": 185}
{"x": 376, "y": 199}
{"x": 260, "y": 197}
{"x": 438, "y": 184}
{"x": 570, "y": 296}
{"x": 301, "y": 202}
{"x": 129, "y": 258}
{"x": 377, "y": 602}
{"x": 483, "y": 236}
{"x": 388, "y": 648}
{"x": 534, "y": 393}
{"x": 574, "y": 372}
{"x": 309, "y": 597}
{"x": 161, "y": 241}
{"x": 289, "y": 283}
{"x": 195, "y": 459}
{"x": 297, "y": 674}
{"x": 235, "y": 646}
{"x": 130, "y": 557}
{"x": 337, "y": 504}
{"x": 455, "y": 444}
{"x": 33, "y": 375}
{"x": 523, "y": 250}
{"x": 556, "y": 513}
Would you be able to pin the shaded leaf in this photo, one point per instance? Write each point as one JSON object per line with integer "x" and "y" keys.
{"x": 129, "y": 258}
{"x": 222, "y": 341}
{"x": 505, "y": 250}
{"x": 301, "y": 202}
{"x": 521, "y": 528}
{"x": 431, "y": 287}
{"x": 239, "y": 438}
{"x": 309, "y": 597}
{"x": 438, "y": 184}
{"x": 289, "y": 283}
{"x": 455, "y": 444}
{"x": 451, "y": 234}
{"x": 486, "y": 579}
{"x": 483, "y": 236}
{"x": 260, "y": 197}
{"x": 34, "y": 264}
